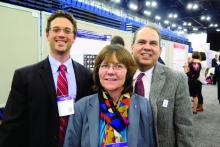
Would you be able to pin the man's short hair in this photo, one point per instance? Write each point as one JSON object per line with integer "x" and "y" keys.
{"x": 117, "y": 40}
{"x": 151, "y": 26}
{"x": 62, "y": 14}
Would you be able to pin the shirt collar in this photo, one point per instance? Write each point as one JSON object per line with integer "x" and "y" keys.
{"x": 55, "y": 64}
{"x": 148, "y": 73}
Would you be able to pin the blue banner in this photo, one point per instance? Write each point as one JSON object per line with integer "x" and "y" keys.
{"x": 92, "y": 35}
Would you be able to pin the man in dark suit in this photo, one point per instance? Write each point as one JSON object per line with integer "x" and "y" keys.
{"x": 31, "y": 116}
{"x": 166, "y": 89}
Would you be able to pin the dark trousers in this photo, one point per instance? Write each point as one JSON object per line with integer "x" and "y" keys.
{"x": 218, "y": 86}
{"x": 200, "y": 97}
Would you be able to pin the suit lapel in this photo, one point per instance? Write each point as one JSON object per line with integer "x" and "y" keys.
{"x": 78, "y": 80}
{"x": 47, "y": 78}
{"x": 134, "y": 116}
{"x": 93, "y": 119}
{"x": 48, "y": 83}
{"x": 158, "y": 81}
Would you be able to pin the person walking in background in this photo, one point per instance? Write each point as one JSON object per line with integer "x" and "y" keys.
{"x": 216, "y": 78}
{"x": 195, "y": 86}
{"x": 42, "y": 95}
{"x": 117, "y": 40}
{"x": 214, "y": 61}
{"x": 200, "y": 96}
{"x": 114, "y": 116}
{"x": 166, "y": 89}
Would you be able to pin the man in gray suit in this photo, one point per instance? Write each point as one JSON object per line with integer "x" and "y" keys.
{"x": 166, "y": 89}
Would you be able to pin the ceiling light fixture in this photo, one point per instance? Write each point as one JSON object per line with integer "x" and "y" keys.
{"x": 202, "y": 17}
{"x": 192, "y": 6}
{"x": 146, "y": 12}
{"x": 208, "y": 18}
{"x": 213, "y": 25}
{"x": 173, "y": 25}
{"x": 205, "y": 18}
{"x": 195, "y": 29}
{"x": 184, "y": 24}
{"x": 195, "y": 7}
{"x": 189, "y": 6}
{"x": 116, "y": 1}
{"x": 148, "y": 3}
{"x": 166, "y": 22}
{"x": 157, "y": 17}
{"x": 189, "y": 24}
{"x": 133, "y": 6}
{"x": 180, "y": 28}
{"x": 152, "y": 4}
{"x": 172, "y": 15}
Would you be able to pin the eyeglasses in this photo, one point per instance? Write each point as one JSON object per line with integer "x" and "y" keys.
{"x": 116, "y": 67}
{"x": 58, "y": 30}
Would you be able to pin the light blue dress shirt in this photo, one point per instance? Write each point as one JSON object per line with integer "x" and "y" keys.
{"x": 70, "y": 74}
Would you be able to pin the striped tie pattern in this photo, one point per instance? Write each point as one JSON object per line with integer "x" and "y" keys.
{"x": 62, "y": 85}
{"x": 62, "y": 90}
{"x": 139, "y": 85}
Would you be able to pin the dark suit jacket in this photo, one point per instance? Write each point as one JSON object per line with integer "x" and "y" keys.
{"x": 31, "y": 114}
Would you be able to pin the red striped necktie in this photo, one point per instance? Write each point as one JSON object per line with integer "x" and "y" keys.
{"x": 62, "y": 90}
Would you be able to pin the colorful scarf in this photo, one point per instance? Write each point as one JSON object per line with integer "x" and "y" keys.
{"x": 115, "y": 116}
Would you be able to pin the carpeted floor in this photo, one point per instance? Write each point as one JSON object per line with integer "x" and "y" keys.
{"x": 207, "y": 123}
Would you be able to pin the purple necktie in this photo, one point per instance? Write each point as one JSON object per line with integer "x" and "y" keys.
{"x": 62, "y": 90}
{"x": 139, "y": 86}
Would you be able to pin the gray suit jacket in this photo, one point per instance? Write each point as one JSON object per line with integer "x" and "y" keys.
{"x": 173, "y": 124}
{"x": 83, "y": 126}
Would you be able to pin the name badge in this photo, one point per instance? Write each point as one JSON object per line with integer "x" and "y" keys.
{"x": 165, "y": 103}
{"x": 120, "y": 144}
{"x": 65, "y": 105}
